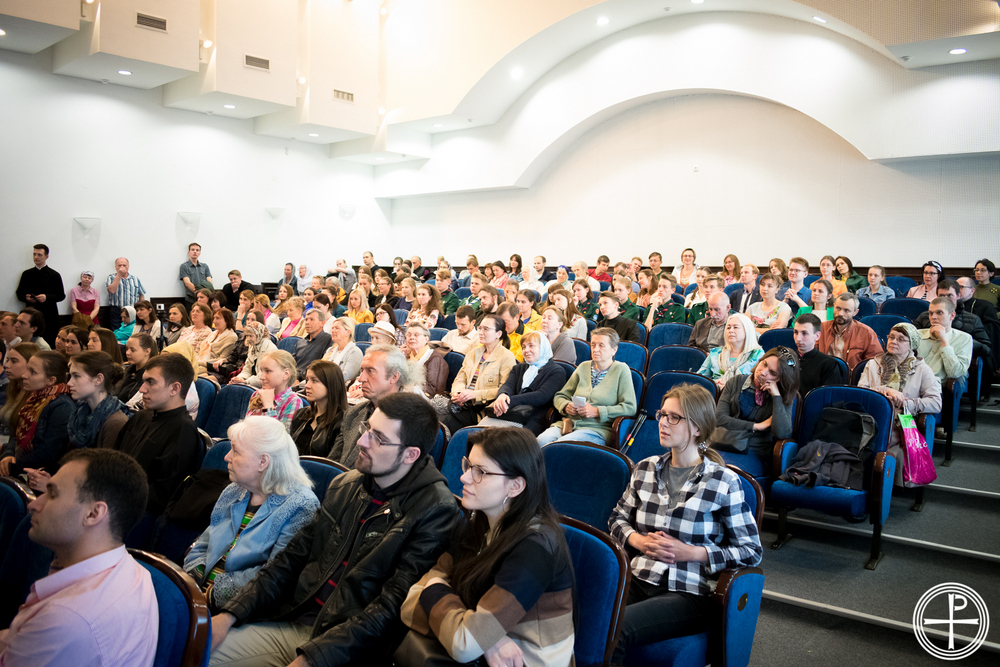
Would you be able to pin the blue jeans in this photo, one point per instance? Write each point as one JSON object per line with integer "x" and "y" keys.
{"x": 554, "y": 434}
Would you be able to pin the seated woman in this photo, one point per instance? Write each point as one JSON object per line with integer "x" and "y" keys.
{"x": 985, "y": 289}
{"x": 139, "y": 349}
{"x": 510, "y": 291}
{"x": 554, "y": 330}
{"x": 308, "y": 294}
{"x": 357, "y": 307}
{"x": 933, "y": 274}
{"x": 128, "y": 324}
{"x": 204, "y": 297}
{"x": 737, "y": 356}
{"x": 562, "y": 278}
{"x": 846, "y": 274}
{"x": 407, "y": 294}
{"x": 271, "y": 320}
{"x": 827, "y": 267}
{"x": 583, "y": 299}
{"x": 60, "y": 343}
{"x": 258, "y": 343}
{"x": 516, "y": 268}
{"x": 768, "y": 313}
{"x": 483, "y": 372}
{"x": 222, "y": 371}
{"x": 675, "y": 555}
{"x": 244, "y": 309}
{"x": 39, "y": 431}
{"x": 200, "y": 329}
{"x": 821, "y": 301}
{"x": 663, "y": 308}
{"x": 576, "y": 323}
{"x": 877, "y": 290}
{"x": 418, "y": 350}
{"x": 103, "y": 340}
{"x": 526, "y": 396}
{"x": 99, "y": 414}
{"x": 777, "y": 268}
{"x": 177, "y": 320}
{"x": 75, "y": 341}
{"x": 269, "y": 501}
{"x": 595, "y": 394}
{"x": 906, "y": 380}
{"x": 427, "y": 310}
{"x": 697, "y": 295}
{"x": 315, "y": 428}
{"x": 146, "y": 321}
{"x": 500, "y": 276}
{"x": 648, "y": 286}
{"x": 222, "y": 341}
{"x": 755, "y": 410}
{"x": 384, "y": 285}
{"x": 503, "y": 593}
{"x": 279, "y": 304}
{"x": 293, "y": 324}
{"x": 15, "y": 365}
{"x": 342, "y": 351}
{"x": 191, "y": 401}
{"x": 217, "y": 301}
{"x": 731, "y": 269}
{"x": 385, "y": 313}
{"x": 84, "y": 298}
{"x": 275, "y": 397}
{"x": 525, "y": 302}
{"x": 686, "y": 271}
{"x": 326, "y": 302}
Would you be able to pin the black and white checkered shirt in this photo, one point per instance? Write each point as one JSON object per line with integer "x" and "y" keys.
{"x": 711, "y": 514}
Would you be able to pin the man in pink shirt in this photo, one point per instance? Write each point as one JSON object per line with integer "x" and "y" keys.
{"x": 97, "y": 606}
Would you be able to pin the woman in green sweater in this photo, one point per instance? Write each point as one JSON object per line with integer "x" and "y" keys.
{"x": 846, "y": 274}
{"x": 820, "y": 305}
{"x": 597, "y": 392}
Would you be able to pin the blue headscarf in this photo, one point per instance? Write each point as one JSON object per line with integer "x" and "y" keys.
{"x": 544, "y": 355}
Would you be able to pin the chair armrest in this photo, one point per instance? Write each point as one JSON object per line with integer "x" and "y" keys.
{"x": 883, "y": 476}
{"x": 926, "y": 423}
{"x": 738, "y": 594}
{"x": 784, "y": 451}
{"x": 618, "y": 427}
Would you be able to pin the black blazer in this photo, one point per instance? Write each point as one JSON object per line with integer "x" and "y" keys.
{"x": 737, "y": 296}
{"x": 539, "y": 394}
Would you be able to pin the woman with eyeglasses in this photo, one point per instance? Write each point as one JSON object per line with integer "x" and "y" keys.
{"x": 670, "y": 594}
{"x": 756, "y": 409}
{"x": 933, "y": 273}
{"x": 504, "y": 591}
{"x": 483, "y": 372}
{"x": 985, "y": 289}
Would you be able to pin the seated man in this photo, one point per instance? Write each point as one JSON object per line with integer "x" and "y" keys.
{"x": 30, "y": 327}
{"x": 655, "y": 264}
{"x": 97, "y": 606}
{"x": 963, "y": 321}
{"x": 981, "y": 308}
{"x": 712, "y": 284}
{"x": 315, "y": 343}
{"x": 662, "y": 307}
{"x": 748, "y": 293}
{"x": 543, "y": 275}
{"x": 338, "y": 585}
{"x": 622, "y": 289}
{"x": 600, "y": 273}
{"x": 463, "y": 337}
{"x": 344, "y": 275}
{"x": 798, "y": 269}
{"x": 611, "y": 317}
{"x": 448, "y": 298}
{"x": 476, "y": 282}
{"x": 162, "y": 437}
{"x": 815, "y": 368}
{"x": 710, "y": 332}
{"x": 580, "y": 270}
{"x": 946, "y": 350}
{"x": 844, "y": 338}
{"x": 489, "y": 299}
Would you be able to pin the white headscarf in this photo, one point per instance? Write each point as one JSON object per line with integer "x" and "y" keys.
{"x": 302, "y": 283}
{"x": 544, "y": 355}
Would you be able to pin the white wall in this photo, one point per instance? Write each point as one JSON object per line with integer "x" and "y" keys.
{"x": 723, "y": 174}
{"x": 72, "y": 148}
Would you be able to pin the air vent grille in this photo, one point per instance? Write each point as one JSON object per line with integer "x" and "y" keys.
{"x": 152, "y": 22}
{"x": 257, "y": 63}
{"x": 343, "y": 95}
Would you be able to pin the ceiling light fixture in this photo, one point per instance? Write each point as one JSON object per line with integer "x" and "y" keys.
{"x": 302, "y": 79}
{"x": 516, "y": 73}
{"x": 379, "y": 159}
{"x": 313, "y": 135}
{"x": 228, "y": 106}
{"x": 820, "y": 19}
{"x": 697, "y": 2}
{"x": 381, "y": 111}
{"x": 2, "y": 33}
{"x": 125, "y": 72}
{"x": 958, "y": 52}
{"x": 438, "y": 124}
{"x": 602, "y": 21}
{"x": 383, "y": 11}
{"x": 207, "y": 43}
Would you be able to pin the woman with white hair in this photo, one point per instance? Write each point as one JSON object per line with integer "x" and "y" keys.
{"x": 269, "y": 501}
{"x": 738, "y": 354}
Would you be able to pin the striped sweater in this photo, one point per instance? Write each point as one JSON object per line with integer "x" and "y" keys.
{"x": 531, "y": 602}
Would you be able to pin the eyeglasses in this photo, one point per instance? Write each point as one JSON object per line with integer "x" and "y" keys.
{"x": 374, "y": 437}
{"x": 478, "y": 472}
{"x": 785, "y": 354}
{"x": 669, "y": 417}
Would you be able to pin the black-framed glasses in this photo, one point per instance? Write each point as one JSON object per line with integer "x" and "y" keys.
{"x": 366, "y": 430}
{"x": 669, "y": 417}
{"x": 786, "y": 355}
{"x": 478, "y": 472}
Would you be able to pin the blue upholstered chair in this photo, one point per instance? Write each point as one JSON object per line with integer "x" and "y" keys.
{"x": 361, "y": 332}
{"x": 900, "y": 284}
{"x": 582, "y": 350}
{"x": 14, "y": 498}
{"x": 880, "y": 468}
{"x": 738, "y": 592}
{"x": 882, "y": 324}
{"x": 951, "y": 396}
{"x": 230, "y": 406}
{"x": 451, "y": 462}
{"x": 437, "y": 333}
{"x": 632, "y": 355}
{"x": 448, "y": 323}
{"x": 437, "y": 451}
{"x": 605, "y": 285}
{"x": 866, "y": 307}
{"x": 844, "y": 368}
{"x": 401, "y": 315}
{"x": 675, "y": 358}
{"x": 321, "y": 471}
{"x": 643, "y": 334}
{"x": 677, "y": 298}
{"x": 690, "y": 288}
{"x": 185, "y": 632}
{"x": 463, "y": 293}
{"x": 206, "y": 398}
{"x": 591, "y": 325}
{"x": 729, "y": 289}
{"x": 671, "y": 333}
{"x": 777, "y": 338}
{"x": 568, "y": 367}
{"x": 289, "y": 344}
{"x": 455, "y": 361}
{"x": 586, "y": 480}
{"x": 363, "y": 346}
{"x": 602, "y": 579}
{"x": 809, "y": 280}
{"x": 904, "y": 307}
{"x": 23, "y": 563}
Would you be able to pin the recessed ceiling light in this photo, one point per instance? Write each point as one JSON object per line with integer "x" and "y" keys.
{"x": 302, "y": 79}
{"x": 438, "y": 124}
{"x": 125, "y": 72}
{"x": 2, "y": 33}
{"x": 516, "y": 73}
{"x": 958, "y": 52}
{"x": 379, "y": 159}
{"x": 383, "y": 11}
{"x": 313, "y": 134}
{"x": 228, "y": 106}
{"x": 207, "y": 43}
{"x": 602, "y": 21}
{"x": 820, "y": 19}
{"x": 697, "y": 2}
{"x": 381, "y": 111}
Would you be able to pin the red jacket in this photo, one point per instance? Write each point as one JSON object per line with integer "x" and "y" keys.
{"x": 860, "y": 343}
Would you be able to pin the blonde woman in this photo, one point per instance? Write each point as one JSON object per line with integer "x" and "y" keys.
{"x": 357, "y": 307}
{"x": 293, "y": 324}
{"x": 275, "y": 397}
{"x": 737, "y": 356}
{"x": 284, "y": 294}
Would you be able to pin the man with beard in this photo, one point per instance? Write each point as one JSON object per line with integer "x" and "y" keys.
{"x": 844, "y": 338}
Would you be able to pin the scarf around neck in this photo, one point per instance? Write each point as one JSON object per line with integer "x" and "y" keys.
{"x": 85, "y": 424}
{"x": 27, "y": 417}
{"x": 894, "y": 374}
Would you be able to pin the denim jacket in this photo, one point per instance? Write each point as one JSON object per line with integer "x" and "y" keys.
{"x": 272, "y": 527}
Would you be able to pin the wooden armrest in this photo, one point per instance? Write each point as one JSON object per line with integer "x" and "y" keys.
{"x": 726, "y": 578}
{"x": 776, "y": 455}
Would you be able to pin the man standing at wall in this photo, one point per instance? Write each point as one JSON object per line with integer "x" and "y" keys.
{"x": 195, "y": 275}
{"x": 41, "y": 288}
{"x": 124, "y": 289}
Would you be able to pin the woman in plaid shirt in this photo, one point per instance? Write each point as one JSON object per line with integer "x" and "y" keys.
{"x": 683, "y": 520}
{"x": 275, "y": 398}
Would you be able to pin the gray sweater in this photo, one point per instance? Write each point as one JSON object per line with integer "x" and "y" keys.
{"x": 736, "y": 429}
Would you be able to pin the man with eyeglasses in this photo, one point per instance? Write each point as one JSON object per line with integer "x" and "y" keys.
{"x": 798, "y": 269}
{"x": 333, "y": 595}
{"x": 844, "y": 338}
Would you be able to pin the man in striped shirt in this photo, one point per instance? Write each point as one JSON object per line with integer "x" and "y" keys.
{"x": 124, "y": 289}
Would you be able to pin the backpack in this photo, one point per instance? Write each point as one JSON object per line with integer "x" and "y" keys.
{"x": 848, "y": 425}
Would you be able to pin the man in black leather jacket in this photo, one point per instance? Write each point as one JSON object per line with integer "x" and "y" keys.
{"x": 332, "y": 596}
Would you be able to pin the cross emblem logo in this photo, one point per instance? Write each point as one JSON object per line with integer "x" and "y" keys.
{"x": 965, "y": 617}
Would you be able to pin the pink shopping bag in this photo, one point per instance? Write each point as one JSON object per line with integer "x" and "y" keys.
{"x": 918, "y": 466}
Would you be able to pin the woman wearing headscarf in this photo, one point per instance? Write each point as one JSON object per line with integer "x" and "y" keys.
{"x": 123, "y": 332}
{"x": 258, "y": 343}
{"x": 303, "y": 279}
{"x": 526, "y": 396}
{"x": 905, "y": 379}
{"x": 737, "y": 356}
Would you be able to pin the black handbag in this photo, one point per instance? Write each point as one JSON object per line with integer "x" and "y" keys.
{"x": 848, "y": 425}
{"x": 419, "y": 650}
